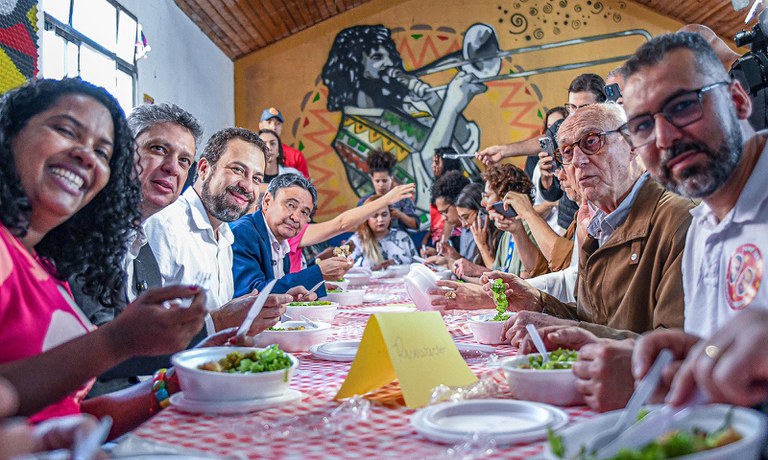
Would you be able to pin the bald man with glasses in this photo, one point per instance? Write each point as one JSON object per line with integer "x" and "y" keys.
{"x": 629, "y": 260}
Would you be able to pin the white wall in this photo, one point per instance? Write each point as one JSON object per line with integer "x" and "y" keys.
{"x": 184, "y": 66}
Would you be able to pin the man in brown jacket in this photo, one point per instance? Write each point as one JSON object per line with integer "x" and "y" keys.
{"x": 630, "y": 254}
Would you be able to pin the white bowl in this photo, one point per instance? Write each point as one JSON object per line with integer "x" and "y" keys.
{"x": 416, "y": 289}
{"x": 348, "y": 297}
{"x": 294, "y": 340}
{"x": 397, "y": 271}
{"x": 749, "y": 423}
{"x": 556, "y": 386}
{"x": 323, "y": 313}
{"x": 339, "y": 284}
{"x": 201, "y": 385}
{"x": 358, "y": 278}
{"x": 488, "y": 332}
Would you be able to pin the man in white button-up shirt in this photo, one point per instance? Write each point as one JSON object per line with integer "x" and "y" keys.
{"x": 191, "y": 238}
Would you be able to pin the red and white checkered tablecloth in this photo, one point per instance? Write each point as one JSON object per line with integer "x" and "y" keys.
{"x": 386, "y": 434}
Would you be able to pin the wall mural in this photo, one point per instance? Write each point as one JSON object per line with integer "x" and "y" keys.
{"x": 369, "y": 100}
{"x": 18, "y": 42}
{"x": 376, "y": 84}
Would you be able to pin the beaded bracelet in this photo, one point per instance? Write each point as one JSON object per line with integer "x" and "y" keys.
{"x": 159, "y": 388}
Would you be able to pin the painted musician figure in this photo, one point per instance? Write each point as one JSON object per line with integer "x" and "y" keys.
{"x": 386, "y": 108}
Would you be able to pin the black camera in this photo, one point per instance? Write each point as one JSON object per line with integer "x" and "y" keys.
{"x": 754, "y": 64}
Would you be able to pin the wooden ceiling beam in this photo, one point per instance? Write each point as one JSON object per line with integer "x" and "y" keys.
{"x": 233, "y": 10}
{"x": 223, "y": 26}
{"x": 203, "y": 24}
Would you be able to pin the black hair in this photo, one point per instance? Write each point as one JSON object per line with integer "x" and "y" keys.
{"x": 280, "y": 155}
{"x": 91, "y": 244}
{"x": 654, "y": 51}
{"x": 448, "y": 186}
{"x": 293, "y": 180}
{"x": 380, "y": 161}
{"x": 449, "y": 164}
{"x": 589, "y": 82}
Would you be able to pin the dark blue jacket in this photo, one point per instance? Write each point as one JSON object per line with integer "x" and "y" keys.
{"x": 252, "y": 267}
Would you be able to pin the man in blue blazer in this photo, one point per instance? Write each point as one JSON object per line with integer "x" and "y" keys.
{"x": 261, "y": 240}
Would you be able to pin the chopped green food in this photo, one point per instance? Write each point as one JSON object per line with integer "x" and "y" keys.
{"x": 297, "y": 328}
{"x": 314, "y": 303}
{"x": 558, "y": 359}
{"x": 269, "y": 359}
{"x": 676, "y": 443}
{"x": 334, "y": 291}
{"x": 500, "y": 299}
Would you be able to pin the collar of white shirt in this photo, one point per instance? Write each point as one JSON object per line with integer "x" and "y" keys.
{"x": 747, "y": 206}
{"x": 279, "y": 250}
{"x": 200, "y": 216}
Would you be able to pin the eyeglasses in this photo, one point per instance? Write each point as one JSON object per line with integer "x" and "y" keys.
{"x": 589, "y": 144}
{"x": 680, "y": 110}
{"x": 573, "y": 107}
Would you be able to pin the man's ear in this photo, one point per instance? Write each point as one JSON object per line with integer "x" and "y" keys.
{"x": 741, "y": 100}
{"x": 203, "y": 168}
{"x": 266, "y": 202}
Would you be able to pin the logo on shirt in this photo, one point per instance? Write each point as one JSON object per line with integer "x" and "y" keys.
{"x": 745, "y": 273}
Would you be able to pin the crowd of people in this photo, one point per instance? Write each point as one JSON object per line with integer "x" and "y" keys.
{"x": 633, "y": 228}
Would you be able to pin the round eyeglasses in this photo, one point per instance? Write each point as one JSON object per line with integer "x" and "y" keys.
{"x": 680, "y": 110}
{"x": 590, "y": 143}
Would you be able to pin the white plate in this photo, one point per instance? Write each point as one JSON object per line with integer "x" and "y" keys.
{"x": 384, "y": 309}
{"x": 343, "y": 351}
{"x": 371, "y": 297}
{"x": 506, "y": 421}
{"x": 232, "y": 407}
{"x": 391, "y": 280}
{"x": 749, "y": 423}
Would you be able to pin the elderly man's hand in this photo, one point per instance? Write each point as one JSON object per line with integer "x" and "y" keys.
{"x": 514, "y": 327}
{"x": 300, "y": 294}
{"x": 604, "y": 374}
{"x": 468, "y": 296}
{"x": 520, "y": 294}
{"x": 554, "y": 337}
{"x": 463, "y": 267}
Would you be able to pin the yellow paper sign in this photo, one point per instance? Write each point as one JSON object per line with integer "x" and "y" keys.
{"x": 415, "y": 348}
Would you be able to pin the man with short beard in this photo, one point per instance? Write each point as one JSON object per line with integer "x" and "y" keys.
{"x": 689, "y": 121}
{"x": 191, "y": 238}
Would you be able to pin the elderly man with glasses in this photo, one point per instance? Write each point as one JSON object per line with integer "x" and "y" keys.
{"x": 629, "y": 260}
{"x": 632, "y": 234}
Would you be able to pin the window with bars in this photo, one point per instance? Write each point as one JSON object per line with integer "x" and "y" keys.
{"x": 92, "y": 39}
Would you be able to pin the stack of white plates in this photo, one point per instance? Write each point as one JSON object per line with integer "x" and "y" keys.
{"x": 506, "y": 421}
{"x": 336, "y": 351}
{"x": 233, "y": 407}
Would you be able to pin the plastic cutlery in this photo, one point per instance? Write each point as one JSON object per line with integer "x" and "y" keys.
{"x": 643, "y": 391}
{"x": 87, "y": 443}
{"x": 538, "y": 342}
{"x": 455, "y": 156}
{"x": 256, "y": 308}
{"x": 651, "y": 427}
{"x": 315, "y": 288}
{"x": 311, "y": 323}
{"x": 201, "y": 279}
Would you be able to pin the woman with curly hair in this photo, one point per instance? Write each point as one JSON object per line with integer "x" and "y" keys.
{"x": 380, "y": 166}
{"x": 69, "y": 198}
{"x": 517, "y": 251}
{"x": 380, "y": 246}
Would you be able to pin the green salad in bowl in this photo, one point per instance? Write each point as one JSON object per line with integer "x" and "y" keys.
{"x": 313, "y": 303}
